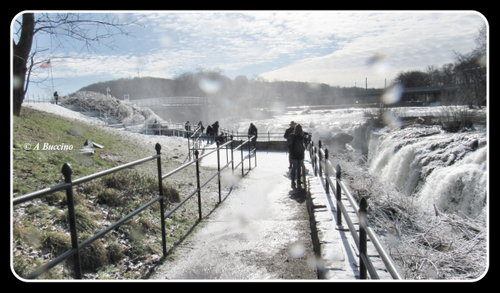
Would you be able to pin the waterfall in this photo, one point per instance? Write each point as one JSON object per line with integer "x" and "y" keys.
{"x": 424, "y": 162}
{"x": 446, "y": 170}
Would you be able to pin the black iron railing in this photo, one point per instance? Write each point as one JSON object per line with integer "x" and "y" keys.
{"x": 322, "y": 165}
{"x": 69, "y": 183}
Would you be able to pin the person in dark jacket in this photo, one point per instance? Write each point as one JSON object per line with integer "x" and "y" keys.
{"x": 252, "y": 131}
{"x": 187, "y": 126}
{"x": 288, "y": 132}
{"x": 296, "y": 150}
{"x": 215, "y": 128}
{"x": 209, "y": 133}
{"x": 200, "y": 127}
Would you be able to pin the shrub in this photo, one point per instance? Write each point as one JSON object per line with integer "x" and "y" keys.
{"x": 57, "y": 242}
{"x": 93, "y": 256}
{"x": 114, "y": 252}
{"x": 455, "y": 118}
{"x": 84, "y": 222}
{"x": 110, "y": 197}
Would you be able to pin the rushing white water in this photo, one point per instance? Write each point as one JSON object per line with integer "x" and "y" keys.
{"x": 442, "y": 170}
{"x": 448, "y": 170}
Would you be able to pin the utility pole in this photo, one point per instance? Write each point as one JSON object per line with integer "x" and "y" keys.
{"x": 366, "y": 83}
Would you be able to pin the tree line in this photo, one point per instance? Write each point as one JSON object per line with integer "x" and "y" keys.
{"x": 256, "y": 92}
{"x": 468, "y": 72}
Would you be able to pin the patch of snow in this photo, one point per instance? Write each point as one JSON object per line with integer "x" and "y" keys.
{"x": 64, "y": 112}
{"x": 173, "y": 146}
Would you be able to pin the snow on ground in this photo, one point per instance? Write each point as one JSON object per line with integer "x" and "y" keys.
{"x": 61, "y": 111}
{"x": 173, "y": 146}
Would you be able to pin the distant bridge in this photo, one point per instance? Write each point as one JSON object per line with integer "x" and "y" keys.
{"x": 417, "y": 90}
{"x": 177, "y": 109}
{"x": 171, "y": 102}
{"x": 424, "y": 90}
{"x": 427, "y": 94}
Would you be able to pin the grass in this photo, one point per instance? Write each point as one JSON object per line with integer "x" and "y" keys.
{"x": 37, "y": 169}
{"x": 40, "y": 226}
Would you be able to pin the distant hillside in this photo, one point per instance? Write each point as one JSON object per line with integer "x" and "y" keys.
{"x": 227, "y": 93}
{"x": 136, "y": 88}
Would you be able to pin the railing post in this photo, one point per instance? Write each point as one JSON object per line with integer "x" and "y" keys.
{"x": 315, "y": 150}
{"x": 242, "y": 161}
{"x": 327, "y": 185}
{"x": 232, "y": 156}
{"x": 162, "y": 201}
{"x": 218, "y": 169}
{"x": 196, "y": 153}
{"x": 311, "y": 154}
{"x": 338, "y": 194}
{"x": 320, "y": 158}
{"x": 67, "y": 171}
{"x": 189, "y": 149}
{"x": 362, "y": 238}
{"x": 249, "y": 155}
{"x": 255, "y": 155}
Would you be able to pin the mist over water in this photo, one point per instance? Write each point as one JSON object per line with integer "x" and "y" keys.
{"x": 437, "y": 169}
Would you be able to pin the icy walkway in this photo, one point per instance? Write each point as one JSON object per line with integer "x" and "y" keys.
{"x": 259, "y": 232}
{"x": 262, "y": 231}
{"x": 338, "y": 250}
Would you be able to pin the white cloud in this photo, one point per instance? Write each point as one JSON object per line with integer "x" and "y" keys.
{"x": 409, "y": 40}
{"x": 320, "y": 46}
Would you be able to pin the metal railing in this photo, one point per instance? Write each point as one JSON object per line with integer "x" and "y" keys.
{"x": 69, "y": 183}
{"x": 178, "y": 129}
{"x": 32, "y": 98}
{"x": 322, "y": 165}
{"x": 265, "y": 136}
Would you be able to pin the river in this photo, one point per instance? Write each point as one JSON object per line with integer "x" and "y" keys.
{"x": 437, "y": 168}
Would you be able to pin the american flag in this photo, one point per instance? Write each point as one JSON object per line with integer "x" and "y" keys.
{"x": 45, "y": 64}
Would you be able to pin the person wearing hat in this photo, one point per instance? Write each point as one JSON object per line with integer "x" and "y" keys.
{"x": 288, "y": 132}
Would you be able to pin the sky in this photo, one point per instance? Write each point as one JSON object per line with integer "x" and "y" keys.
{"x": 332, "y": 47}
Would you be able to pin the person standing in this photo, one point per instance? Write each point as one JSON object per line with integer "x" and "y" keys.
{"x": 215, "y": 128}
{"x": 252, "y": 131}
{"x": 56, "y": 98}
{"x": 288, "y": 132}
{"x": 200, "y": 127}
{"x": 187, "y": 126}
{"x": 297, "y": 148}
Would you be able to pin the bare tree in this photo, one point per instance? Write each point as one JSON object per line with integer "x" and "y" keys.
{"x": 88, "y": 30}
{"x": 470, "y": 70}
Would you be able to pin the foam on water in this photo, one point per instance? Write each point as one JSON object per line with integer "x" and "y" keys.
{"x": 437, "y": 168}
{"x": 459, "y": 187}
{"x": 445, "y": 170}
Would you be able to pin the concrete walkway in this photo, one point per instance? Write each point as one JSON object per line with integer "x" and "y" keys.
{"x": 261, "y": 231}
{"x": 334, "y": 242}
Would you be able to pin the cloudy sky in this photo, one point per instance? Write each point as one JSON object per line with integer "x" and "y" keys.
{"x": 332, "y": 47}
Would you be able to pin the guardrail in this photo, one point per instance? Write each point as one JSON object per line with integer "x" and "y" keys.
{"x": 178, "y": 129}
{"x": 32, "y": 98}
{"x": 322, "y": 165}
{"x": 69, "y": 183}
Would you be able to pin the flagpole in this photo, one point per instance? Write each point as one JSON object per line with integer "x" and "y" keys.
{"x": 47, "y": 64}
{"x": 52, "y": 78}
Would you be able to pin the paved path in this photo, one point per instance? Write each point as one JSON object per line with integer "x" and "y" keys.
{"x": 260, "y": 232}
